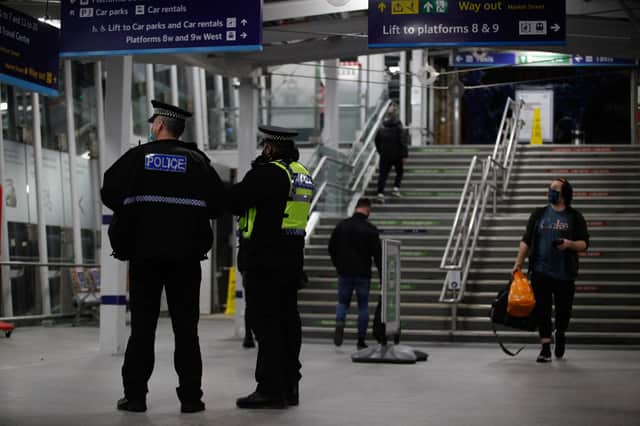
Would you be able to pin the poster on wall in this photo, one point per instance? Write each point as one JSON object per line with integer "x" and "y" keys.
{"x": 541, "y": 99}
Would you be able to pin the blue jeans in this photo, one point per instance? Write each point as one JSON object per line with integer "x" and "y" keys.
{"x": 361, "y": 285}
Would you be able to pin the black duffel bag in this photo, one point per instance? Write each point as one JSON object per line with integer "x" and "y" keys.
{"x": 499, "y": 315}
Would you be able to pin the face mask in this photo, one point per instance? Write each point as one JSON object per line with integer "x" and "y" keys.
{"x": 553, "y": 196}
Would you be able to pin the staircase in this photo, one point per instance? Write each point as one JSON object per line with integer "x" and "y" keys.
{"x": 606, "y": 181}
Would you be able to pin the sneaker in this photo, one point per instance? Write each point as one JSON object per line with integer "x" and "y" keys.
{"x": 361, "y": 344}
{"x": 560, "y": 344}
{"x": 396, "y": 192}
{"x": 338, "y": 334}
{"x": 258, "y": 400}
{"x": 132, "y": 405}
{"x": 380, "y": 197}
{"x": 545, "y": 353}
{"x": 192, "y": 407}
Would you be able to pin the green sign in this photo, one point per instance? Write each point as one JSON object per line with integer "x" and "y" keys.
{"x": 433, "y": 6}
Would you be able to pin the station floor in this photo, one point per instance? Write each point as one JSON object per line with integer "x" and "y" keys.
{"x": 56, "y": 376}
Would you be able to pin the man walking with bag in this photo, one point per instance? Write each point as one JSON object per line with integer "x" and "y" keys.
{"x": 554, "y": 236}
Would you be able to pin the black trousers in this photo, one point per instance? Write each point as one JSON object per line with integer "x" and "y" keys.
{"x": 549, "y": 291}
{"x": 272, "y": 299}
{"x": 248, "y": 330}
{"x": 385, "y": 168}
{"x": 181, "y": 281}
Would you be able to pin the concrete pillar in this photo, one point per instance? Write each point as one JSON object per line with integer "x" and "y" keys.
{"x": 247, "y": 139}
{"x": 43, "y": 271}
{"x": 403, "y": 87}
{"x": 73, "y": 174}
{"x": 113, "y": 272}
{"x": 174, "y": 85}
{"x": 197, "y": 106}
{"x": 221, "y": 131}
{"x": 150, "y": 86}
{"x": 331, "y": 131}
{"x": 5, "y": 285}
{"x": 418, "y": 99}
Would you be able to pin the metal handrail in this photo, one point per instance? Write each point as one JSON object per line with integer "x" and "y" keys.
{"x": 368, "y": 137}
{"x": 467, "y": 222}
{"x": 51, "y": 264}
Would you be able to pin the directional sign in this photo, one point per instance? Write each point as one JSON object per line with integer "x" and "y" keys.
{"x": 28, "y": 52}
{"x": 535, "y": 59}
{"x": 411, "y": 23}
{"x": 99, "y": 28}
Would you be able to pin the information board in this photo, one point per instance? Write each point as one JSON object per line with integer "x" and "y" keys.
{"x": 28, "y": 52}
{"x": 390, "y": 285}
{"x": 541, "y": 99}
{"x": 118, "y": 27}
{"x": 414, "y": 23}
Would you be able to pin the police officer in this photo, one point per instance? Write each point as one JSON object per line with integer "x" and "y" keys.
{"x": 273, "y": 200}
{"x": 164, "y": 194}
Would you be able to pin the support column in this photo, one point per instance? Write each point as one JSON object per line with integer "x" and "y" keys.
{"x": 331, "y": 134}
{"x": 634, "y": 106}
{"x": 205, "y": 110}
{"x": 97, "y": 79}
{"x": 221, "y": 131}
{"x": 403, "y": 87}
{"x": 418, "y": 106}
{"x": 149, "y": 80}
{"x": 197, "y": 106}
{"x": 114, "y": 272}
{"x": 174, "y": 85}
{"x": 5, "y": 286}
{"x": 247, "y": 146}
{"x": 43, "y": 272}
{"x": 73, "y": 174}
{"x": 431, "y": 120}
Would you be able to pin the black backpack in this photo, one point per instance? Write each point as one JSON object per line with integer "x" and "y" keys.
{"x": 499, "y": 315}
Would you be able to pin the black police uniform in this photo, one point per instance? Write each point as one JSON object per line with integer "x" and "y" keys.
{"x": 274, "y": 263}
{"x": 164, "y": 194}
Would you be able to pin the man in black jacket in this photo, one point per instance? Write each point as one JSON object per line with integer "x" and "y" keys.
{"x": 392, "y": 146}
{"x": 164, "y": 194}
{"x": 354, "y": 242}
{"x": 554, "y": 236}
{"x": 273, "y": 200}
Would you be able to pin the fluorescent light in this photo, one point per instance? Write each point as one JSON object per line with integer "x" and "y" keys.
{"x": 4, "y": 106}
{"x": 52, "y": 22}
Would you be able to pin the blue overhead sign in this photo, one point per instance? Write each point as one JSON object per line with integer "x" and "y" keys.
{"x": 101, "y": 27}
{"x": 534, "y": 59}
{"x": 28, "y": 52}
{"x": 415, "y": 23}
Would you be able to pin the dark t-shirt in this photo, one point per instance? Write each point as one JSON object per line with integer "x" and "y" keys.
{"x": 548, "y": 259}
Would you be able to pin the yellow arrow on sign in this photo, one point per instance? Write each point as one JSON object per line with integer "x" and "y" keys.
{"x": 382, "y": 7}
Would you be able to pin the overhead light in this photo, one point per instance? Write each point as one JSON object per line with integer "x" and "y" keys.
{"x": 86, "y": 155}
{"x": 338, "y": 3}
{"x": 52, "y": 22}
{"x": 4, "y": 106}
{"x": 394, "y": 70}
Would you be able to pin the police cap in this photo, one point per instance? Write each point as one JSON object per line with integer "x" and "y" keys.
{"x": 166, "y": 110}
{"x": 275, "y": 134}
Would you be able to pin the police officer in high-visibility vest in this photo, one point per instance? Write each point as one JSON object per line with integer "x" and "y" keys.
{"x": 164, "y": 194}
{"x": 273, "y": 200}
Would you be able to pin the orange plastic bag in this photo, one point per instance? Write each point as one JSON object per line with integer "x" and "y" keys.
{"x": 521, "y": 298}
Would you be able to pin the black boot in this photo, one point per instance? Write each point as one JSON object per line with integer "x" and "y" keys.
{"x": 293, "y": 395}
{"x": 259, "y": 400}
{"x": 132, "y": 405}
{"x": 338, "y": 334}
{"x": 248, "y": 342}
{"x": 361, "y": 344}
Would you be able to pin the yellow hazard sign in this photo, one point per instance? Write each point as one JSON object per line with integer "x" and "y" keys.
{"x": 536, "y": 128}
{"x": 231, "y": 293}
{"x": 405, "y": 7}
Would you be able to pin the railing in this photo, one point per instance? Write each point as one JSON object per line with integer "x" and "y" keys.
{"x": 65, "y": 293}
{"x": 485, "y": 178}
{"x": 347, "y": 178}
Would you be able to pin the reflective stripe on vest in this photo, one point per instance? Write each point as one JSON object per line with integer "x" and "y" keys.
{"x": 296, "y": 212}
